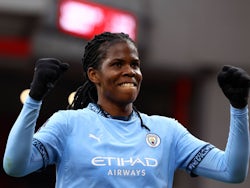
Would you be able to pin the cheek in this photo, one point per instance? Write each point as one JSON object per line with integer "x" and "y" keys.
{"x": 113, "y": 75}
{"x": 111, "y": 80}
{"x": 139, "y": 76}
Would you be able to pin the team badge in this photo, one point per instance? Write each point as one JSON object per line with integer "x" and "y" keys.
{"x": 153, "y": 140}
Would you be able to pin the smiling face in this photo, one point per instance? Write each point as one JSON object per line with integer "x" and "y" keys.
{"x": 118, "y": 79}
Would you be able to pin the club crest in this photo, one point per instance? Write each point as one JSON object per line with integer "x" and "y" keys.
{"x": 153, "y": 140}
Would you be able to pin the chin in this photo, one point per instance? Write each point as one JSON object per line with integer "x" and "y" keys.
{"x": 129, "y": 100}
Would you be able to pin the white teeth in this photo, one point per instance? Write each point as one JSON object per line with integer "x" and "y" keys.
{"x": 127, "y": 85}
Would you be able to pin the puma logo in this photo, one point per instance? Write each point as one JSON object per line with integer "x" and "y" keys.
{"x": 94, "y": 137}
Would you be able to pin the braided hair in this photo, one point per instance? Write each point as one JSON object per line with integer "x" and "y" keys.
{"x": 95, "y": 51}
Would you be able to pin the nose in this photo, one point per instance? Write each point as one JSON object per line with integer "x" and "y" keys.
{"x": 129, "y": 71}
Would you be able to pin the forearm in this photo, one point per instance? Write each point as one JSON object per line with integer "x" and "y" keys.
{"x": 18, "y": 151}
{"x": 230, "y": 165}
{"x": 237, "y": 149}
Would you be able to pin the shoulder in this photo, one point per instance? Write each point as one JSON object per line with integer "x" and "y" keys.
{"x": 68, "y": 120}
{"x": 65, "y": 118}
{"x": 69, "y": 114}
{"x": 159, "y": 119}
{"x": 166, "y": 125}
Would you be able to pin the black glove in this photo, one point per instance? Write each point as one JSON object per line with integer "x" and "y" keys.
{"x": 235, "y": 83}
{"x": 47, "y": 72}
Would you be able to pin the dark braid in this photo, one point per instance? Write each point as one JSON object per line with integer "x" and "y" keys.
{"x": 84, "y": 95}
{"x": 142, "y": 124}
{"x": 95, "y": 51}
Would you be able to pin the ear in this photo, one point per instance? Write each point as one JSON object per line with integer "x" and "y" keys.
{"x": 93, "y": 75}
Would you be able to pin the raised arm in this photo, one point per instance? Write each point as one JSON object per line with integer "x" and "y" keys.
{"x": 231, "y": 165}
{"x": 19, "y": 152}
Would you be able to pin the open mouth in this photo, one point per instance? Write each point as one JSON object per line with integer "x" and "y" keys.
{"x": 127, "y": 84}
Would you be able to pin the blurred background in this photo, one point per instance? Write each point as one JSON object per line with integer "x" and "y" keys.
{"x": 183, "y": 44}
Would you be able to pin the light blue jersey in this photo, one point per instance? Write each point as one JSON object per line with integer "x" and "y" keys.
{"x": 91, "y": 150}
{"x": 94, "y": 151}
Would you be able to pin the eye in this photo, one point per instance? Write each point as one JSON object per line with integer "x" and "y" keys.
{"x": 117, "y": 64}
{"x": 135, "y": 64}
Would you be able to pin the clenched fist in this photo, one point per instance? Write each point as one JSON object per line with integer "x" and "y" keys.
{"x": 235, "y": 83}
{"x": 47, "y": 72}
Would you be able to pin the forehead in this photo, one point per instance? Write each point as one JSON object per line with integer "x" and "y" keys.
{"x": 122, "y": 48}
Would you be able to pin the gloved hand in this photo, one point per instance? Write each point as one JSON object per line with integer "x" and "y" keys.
{"x": 47, "y": 72}
{"x": 235, "y": 83}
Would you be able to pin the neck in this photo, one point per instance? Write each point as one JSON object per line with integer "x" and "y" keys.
{"x": 117, "y": 110}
